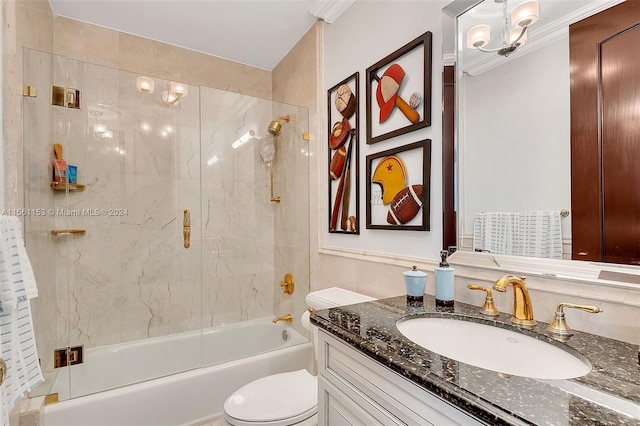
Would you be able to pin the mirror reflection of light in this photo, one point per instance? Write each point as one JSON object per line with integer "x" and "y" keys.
{"x": 107, "y": 134}
{"x": 99, "y": 128}
{"x": 212, "y": 160}
{"x": 164, "y": 133}
{"x": 168, "y": 128}
{"x": 145, "y": 127}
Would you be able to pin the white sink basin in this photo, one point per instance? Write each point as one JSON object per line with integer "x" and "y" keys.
{"x": 493, "y": 348}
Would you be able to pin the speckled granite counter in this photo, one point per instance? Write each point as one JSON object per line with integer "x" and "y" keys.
{"x": 615, "y": 378}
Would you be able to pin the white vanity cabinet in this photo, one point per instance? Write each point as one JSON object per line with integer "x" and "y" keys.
{"x": 353, "y": 389}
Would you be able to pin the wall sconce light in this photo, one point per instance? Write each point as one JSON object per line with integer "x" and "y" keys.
{"x": 179, "y": 89}
{"x": 168, "y": 97}
{"x": 144, "y": 85}
{"x": 514, "y": 33}
{"x": 175, "y": 92}
{"x": 243, "y": 139}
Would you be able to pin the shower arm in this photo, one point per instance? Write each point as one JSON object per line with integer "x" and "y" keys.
{"x": 273, "y": 199}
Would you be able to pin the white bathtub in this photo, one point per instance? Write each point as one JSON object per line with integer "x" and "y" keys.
{"x": 232, "y": 355}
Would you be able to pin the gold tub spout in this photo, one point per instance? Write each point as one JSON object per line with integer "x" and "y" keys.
{"x": 522, "y": 307}
{"x": 285, "y": 318}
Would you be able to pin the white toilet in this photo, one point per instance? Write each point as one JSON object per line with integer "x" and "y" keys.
{"x": 261, "y": 402}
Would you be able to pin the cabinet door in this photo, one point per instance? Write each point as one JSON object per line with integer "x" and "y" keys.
{"x": 335, "y": 408}
{"x": 352, "y": 382}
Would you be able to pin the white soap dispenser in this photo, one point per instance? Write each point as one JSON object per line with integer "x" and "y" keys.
{"x": 444, "y": 281}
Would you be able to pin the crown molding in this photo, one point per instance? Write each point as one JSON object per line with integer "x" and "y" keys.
{"x": 330, "y": 10}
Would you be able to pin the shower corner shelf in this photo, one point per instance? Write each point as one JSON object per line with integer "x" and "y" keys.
{"x": 62, "y": 186}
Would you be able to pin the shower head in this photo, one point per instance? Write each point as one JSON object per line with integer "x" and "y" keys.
{"x": 275, "y": 126}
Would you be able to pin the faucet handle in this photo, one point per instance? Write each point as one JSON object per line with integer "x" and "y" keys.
{"x": 559, "y": 329}
{"x": 489, "y": 308}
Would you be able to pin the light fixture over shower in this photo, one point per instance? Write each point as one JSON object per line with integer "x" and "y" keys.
{"x": 514, "y": 28}
{"x": 171, "y": 96}
{"x": 145, "y": 84}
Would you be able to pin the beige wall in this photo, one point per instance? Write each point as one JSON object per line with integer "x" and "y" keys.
{"x": 296, "y": 81}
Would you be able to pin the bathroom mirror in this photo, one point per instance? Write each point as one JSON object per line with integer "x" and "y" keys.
{"x": 513, "y": 127}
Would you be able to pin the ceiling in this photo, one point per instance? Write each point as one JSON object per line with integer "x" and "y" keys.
{"x": 253, "y": 32}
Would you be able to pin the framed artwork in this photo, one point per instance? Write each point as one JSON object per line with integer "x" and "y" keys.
{"x": 399, "y": 91}
{"x": 343, "y": 162}
{"x": 398, "y": 188}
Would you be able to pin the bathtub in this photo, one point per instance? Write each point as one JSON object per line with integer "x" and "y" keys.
{"x": 232, "y": 356}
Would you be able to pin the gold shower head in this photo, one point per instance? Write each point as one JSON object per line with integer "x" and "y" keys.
{"x": 275, "y": 126}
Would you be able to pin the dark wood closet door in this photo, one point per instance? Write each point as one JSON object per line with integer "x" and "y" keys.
{"x": 605, "y": 135}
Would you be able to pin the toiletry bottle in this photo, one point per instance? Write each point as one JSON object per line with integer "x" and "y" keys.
{"x": 444, "y": 282}
{"x": 415, "y": 282}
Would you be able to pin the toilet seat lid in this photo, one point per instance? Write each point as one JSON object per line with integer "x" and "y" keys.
{"x": 276, "y": 397}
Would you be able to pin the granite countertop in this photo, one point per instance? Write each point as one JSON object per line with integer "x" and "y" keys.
{"x": 605, "y": 396}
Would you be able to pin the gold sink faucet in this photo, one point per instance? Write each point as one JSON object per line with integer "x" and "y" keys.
{"x": 285, "y": 318}
{"x": 522, "y": 307}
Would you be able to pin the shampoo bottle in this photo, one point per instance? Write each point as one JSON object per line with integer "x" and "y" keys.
{"x": 444, "y": 282}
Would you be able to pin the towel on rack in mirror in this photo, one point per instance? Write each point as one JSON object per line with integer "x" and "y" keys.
{"x": 533, "y": 233}
{"x": 17, "y": 342}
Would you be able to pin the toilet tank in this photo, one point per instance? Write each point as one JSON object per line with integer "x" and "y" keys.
{"x": 325, "y": 299}
{"x": 334, "y": 296}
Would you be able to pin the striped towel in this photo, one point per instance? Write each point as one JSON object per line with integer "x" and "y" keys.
{"x": 533, "y": 234}
{"x": 17, "y": 342}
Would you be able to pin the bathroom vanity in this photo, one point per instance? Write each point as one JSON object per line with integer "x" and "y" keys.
{"x": 370, "y": 373}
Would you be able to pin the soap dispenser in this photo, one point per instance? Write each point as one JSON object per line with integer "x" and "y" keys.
{"x": 444, "y": 281}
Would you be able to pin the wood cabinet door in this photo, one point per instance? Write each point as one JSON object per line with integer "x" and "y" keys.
{"x": 605, "y": 135}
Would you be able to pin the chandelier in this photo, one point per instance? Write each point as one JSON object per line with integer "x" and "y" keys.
{"x": 514, "y": 28}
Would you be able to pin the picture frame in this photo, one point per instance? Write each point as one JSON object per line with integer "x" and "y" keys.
{"x": 398, "y": 92}
{"x": 343, "y": 159}
{"x": 399, "y": 188}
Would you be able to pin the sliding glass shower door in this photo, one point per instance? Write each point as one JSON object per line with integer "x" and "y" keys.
{"x": 170, "y": 230}
{"x": 118, "y": 260}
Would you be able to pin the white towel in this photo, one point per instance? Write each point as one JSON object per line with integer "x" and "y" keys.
{"x": 534, "y": 234}
{"x": 17, "y": 342}
{"x": 17, "y": 282}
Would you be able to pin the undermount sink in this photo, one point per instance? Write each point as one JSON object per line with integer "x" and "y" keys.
{"x": 493, "y": 348}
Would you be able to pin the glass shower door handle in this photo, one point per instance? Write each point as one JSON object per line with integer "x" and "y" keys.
{"x": 186, "y": 228}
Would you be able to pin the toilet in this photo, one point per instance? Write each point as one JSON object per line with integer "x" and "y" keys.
{"x": 261, "y": 402}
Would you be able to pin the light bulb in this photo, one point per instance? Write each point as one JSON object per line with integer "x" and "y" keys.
{"x": 179, "y": 89}
{"x": 170, "y": 97}
{"x": 478, "y": 36}
{"x": 144, "y": 84}
{"x": 525, "y": 14}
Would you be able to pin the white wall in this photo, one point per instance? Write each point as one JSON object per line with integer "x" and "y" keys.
{"x": 366, "y": 33}
{"x": 517, "y": 122}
